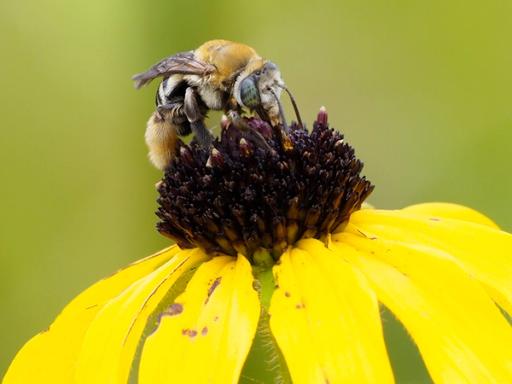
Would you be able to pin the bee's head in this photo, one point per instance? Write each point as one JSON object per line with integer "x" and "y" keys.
{"x": 259, "y": 86}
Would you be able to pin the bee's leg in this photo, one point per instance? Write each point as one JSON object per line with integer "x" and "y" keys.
{"x": 183, "y": 128}
{"x": 263, "y": 115}
{"x": 175, "y": 113}
{"x": 282, "y": 129}
{"x": 252, "y": 134}
{"x": 195, "y": 117}
{"x": 174, "y": 107}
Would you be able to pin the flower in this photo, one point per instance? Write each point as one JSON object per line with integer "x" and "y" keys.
{"x": 273, "y": 244}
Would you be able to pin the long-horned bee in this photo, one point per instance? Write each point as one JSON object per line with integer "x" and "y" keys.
{"x": 219, "y": 75}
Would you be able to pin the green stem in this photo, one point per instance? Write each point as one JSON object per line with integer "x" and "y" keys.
{"x": 265, "y": 363}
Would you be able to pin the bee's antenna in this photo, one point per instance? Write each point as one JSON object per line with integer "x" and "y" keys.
{"x": 296, "y": 109}
{"x": 281, "y": 110}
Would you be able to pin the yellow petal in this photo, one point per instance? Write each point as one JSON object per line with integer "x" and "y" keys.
{"x": 111, "y": 340}
{"x": 460, "y": 332}
{"x": 326, "y": 320}
{"x": 450, "y": 211}
{"x": 205, "y": 336}
{"x": 50, "y": 356}
{"x": 484, "y": 252}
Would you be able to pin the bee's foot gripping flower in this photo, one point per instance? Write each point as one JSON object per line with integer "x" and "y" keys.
{"x": 279, "y": 277}
{"x": 240, "y": 196}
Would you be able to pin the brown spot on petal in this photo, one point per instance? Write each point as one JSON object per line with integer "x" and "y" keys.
{"x": 173, "y": 310}
{"x": 212, "y": 288}
{"x": 189, "y": 332}
{"x": 287, "y": 294}
{"x": 434, "y": 219}
{"x": 204, "y": 331}
{"x": 370, "y": 237}
{"x": 300, "y": 306}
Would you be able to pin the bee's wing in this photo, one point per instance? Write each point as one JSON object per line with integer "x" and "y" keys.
{"x": 182, "y": 63}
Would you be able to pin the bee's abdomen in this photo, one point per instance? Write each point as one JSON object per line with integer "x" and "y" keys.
{"x": 171, "y": 88}
{"x": 170, "y": 98}
{"x": 161, "y": 140}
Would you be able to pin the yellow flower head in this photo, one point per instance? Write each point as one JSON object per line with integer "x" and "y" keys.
{"x": 273, "y": 244}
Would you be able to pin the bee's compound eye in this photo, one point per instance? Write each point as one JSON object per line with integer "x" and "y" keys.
{"x": 249, "y": 94}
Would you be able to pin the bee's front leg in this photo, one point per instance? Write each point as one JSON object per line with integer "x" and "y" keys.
{"x": 250, "y": 133}
{"x": 195, "y": 117}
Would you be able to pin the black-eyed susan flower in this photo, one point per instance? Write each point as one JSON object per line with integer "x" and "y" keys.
{"x": 273, "y": 245}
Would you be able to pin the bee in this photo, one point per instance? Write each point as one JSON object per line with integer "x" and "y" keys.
{"x": 219, "y": 75}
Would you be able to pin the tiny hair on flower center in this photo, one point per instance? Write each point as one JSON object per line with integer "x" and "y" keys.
{"x": 255, "y": 189}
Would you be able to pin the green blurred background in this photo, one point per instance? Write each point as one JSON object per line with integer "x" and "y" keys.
{"x": 421, "y": 89}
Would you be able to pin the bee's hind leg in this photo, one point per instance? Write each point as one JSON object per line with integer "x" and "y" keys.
{"x": 195, "y": 116}
{"x": 175, "y": 113}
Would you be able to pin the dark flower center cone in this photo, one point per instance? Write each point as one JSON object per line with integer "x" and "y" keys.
{"x": 260, "y": 188}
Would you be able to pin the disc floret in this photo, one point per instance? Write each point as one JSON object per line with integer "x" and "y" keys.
{"x": 239, "y": 196}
